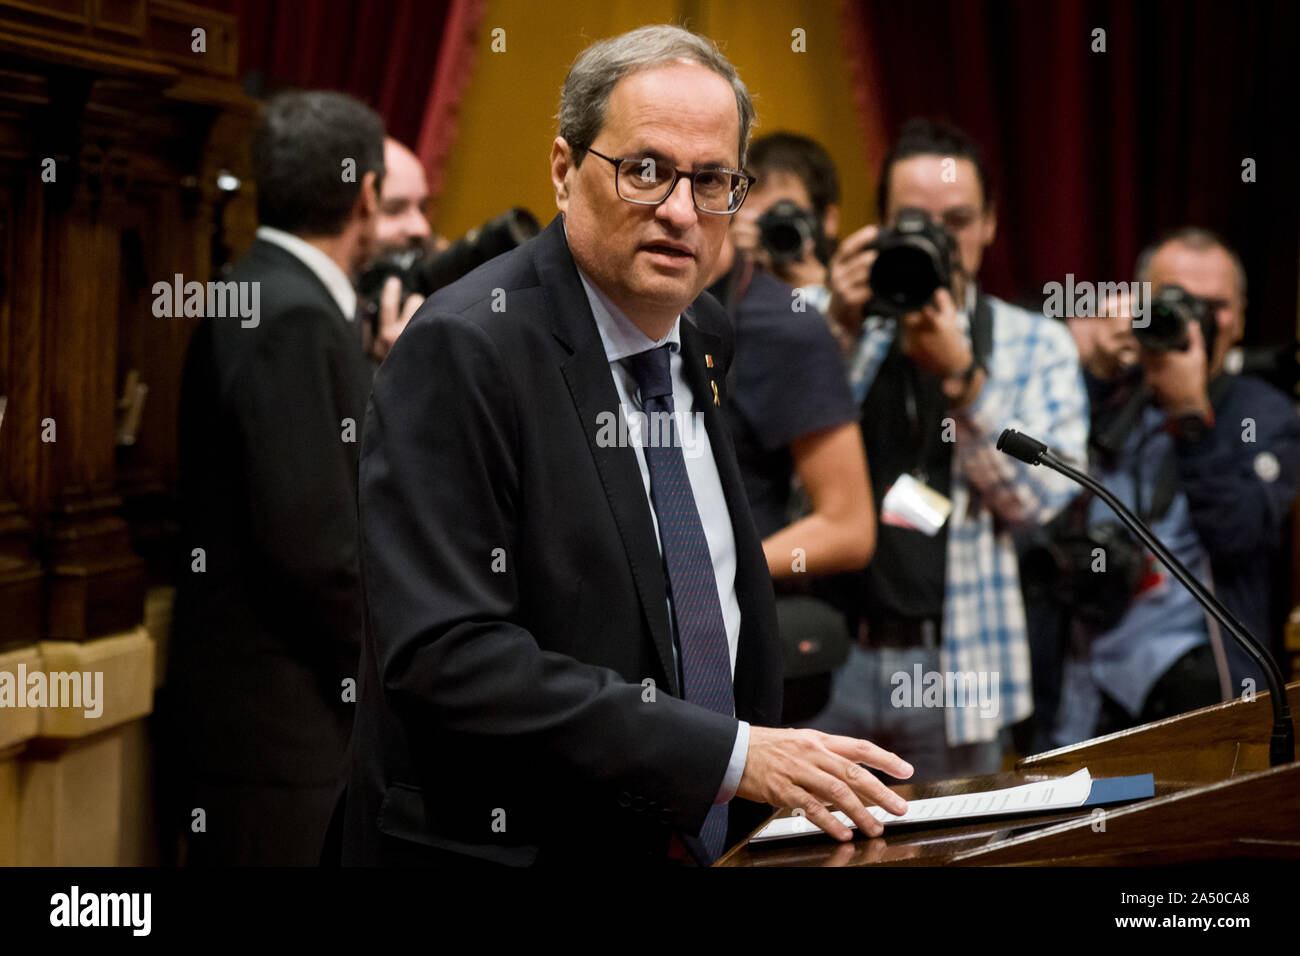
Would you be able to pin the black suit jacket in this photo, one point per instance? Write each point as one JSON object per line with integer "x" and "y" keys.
{"x": 265, "y": 635}
{"x": 515, "y": 592}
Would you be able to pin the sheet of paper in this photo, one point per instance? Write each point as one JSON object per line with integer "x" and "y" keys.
{"x": 1057, "y": 794}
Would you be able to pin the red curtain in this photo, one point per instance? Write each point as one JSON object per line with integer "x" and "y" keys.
{"x": 407, "y": 59}
{"x": 1094, "y": 154}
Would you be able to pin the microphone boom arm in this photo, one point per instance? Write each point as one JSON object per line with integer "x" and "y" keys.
{"x": 1282, "y": 743}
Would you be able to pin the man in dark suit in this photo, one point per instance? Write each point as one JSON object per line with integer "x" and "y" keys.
{"x": 571, "y": 644}
{"x": 268, "y": 616}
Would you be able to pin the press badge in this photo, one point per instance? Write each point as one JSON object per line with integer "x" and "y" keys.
{"x": 910, "y": 504}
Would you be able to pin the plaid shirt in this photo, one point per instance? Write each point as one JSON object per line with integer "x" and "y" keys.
{"x": 1034, "y": 385}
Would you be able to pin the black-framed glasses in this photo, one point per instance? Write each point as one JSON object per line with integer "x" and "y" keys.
{"x": 644, "y": 181}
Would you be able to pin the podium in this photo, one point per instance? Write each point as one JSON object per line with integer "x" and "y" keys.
{"x": 1216, "y": 798}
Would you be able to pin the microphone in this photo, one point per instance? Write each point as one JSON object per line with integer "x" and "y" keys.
{"x": 1281, "y": 747}
{"x": 1017, "y": 445}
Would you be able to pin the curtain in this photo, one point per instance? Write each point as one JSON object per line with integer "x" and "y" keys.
{"x": 407, "y": 59}
{"x": 1094, "y": 154}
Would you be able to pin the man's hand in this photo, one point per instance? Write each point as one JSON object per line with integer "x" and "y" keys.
{"x": 806, "y": 769}
{"x": 744, "y": 233}
{"x": 933, "y": 337}
{"x": 850, "y": 269}
{"x": 393, "y": 314}
{"x": 1179, "y": 379}
{"x": 806, "y": 270}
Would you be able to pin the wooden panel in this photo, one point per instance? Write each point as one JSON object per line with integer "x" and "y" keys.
{"x": 106, "y": 91}
{"x": 21, "y": 574}
{"x": 142, "y": 38}
{"x": 59, "y": 11}
{"x": 1211, "y": 773}
{"x": 1247, "y": 816}
{"x": 171, "y": 28}
{"x": 1202, "y": 745}
{"x": 119, "y": 16}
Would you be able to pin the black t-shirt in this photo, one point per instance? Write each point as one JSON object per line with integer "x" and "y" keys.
{"x": 902, "y": 423}
{"x": 788, "y": 379}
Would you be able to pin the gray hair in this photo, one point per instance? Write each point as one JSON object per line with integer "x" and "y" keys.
{"x": 585, "y": 96}
{"x": 1193, "y": 237}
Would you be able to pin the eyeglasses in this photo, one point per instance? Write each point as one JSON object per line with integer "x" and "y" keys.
{"x": 642, "y": 181}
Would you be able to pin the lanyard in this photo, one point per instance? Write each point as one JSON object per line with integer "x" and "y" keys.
{"x": 922, "y": 438}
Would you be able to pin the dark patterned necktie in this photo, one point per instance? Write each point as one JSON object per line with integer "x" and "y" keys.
{"x": 693, "y": 587}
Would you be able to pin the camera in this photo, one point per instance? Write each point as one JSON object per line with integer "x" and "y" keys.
{"x": 784, "y": 228}
{"x": 914, "y": 259}
{"x": 1063, "y": 568}
{"x": 1173, "y": 309}
{"x": 423, "y": 273}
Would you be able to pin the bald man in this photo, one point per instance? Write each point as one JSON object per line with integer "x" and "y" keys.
{"x": 403, "y": 202}
{"x": 1209, "y": 460}
{"x": 402, "y": 225}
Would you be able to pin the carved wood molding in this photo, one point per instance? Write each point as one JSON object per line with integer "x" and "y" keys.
{"x": 107, "y": 119}
{"x": 154, "y": 39}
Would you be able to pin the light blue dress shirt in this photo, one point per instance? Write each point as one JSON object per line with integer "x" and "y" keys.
{"x": 622, "y": 339}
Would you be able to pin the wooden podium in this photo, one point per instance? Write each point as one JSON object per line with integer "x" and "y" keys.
{"x": 1215, "y": 798}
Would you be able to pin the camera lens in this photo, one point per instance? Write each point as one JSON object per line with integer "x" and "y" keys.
{"x": 1172, "y": 310}
{"x": 783, "y": 240}
{"x": 784, "y": 229}
{"x": 913, "y": 259}
{"x": 905, "y": 277}
{"x": 1165, "y": 331}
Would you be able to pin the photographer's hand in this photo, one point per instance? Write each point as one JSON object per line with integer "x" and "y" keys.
{"x": 806, "y": 270}
{"x": 849, "y": 271}
{"x": 744, "y": 232}
{"x": 1179, "y": 379}
{"x": 933, "y": 337}
{"x": 393, "y": 315}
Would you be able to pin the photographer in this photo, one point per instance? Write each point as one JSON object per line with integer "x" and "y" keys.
{"x": 791, "y": 216}
{"x": 1210, "y": 460}
{"x": 792, "y": 417}
{"x": 402, "y": 226}
{"x": 410, "y": 264}
{"x": 938, "y": 382}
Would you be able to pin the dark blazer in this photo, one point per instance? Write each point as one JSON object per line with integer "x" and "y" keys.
{"x": 515, "y": 593}
{"x": 264, "y": 636}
